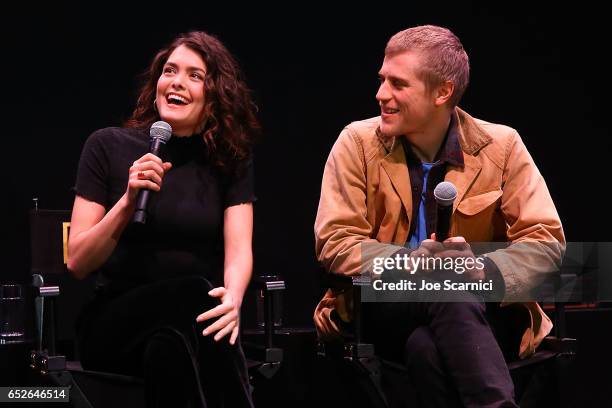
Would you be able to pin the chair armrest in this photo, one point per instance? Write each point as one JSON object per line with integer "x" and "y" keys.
{"x": 269, "y": 286}
{"x": 559, "y": 345}
{"x": 266, "y": 359}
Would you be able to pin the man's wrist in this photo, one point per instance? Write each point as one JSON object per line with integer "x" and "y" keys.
{"x": 492, "y": 273}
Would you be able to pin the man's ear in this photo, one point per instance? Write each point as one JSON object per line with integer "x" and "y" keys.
{"x": 444, "y": 92}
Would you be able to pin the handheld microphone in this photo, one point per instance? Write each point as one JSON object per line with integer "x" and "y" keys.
{"x": 445, "y": 194}
{"x": 160, "y": 133}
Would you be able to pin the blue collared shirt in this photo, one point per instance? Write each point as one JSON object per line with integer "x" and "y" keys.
{"x": 424, "y": 177}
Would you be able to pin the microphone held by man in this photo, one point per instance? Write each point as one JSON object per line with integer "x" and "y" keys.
{"x": 445, "y": 194}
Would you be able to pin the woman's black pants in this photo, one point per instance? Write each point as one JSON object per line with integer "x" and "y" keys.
{"x": 151, "y": 331}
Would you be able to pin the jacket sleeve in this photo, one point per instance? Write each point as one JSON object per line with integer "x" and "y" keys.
{"x": 343, "y": 234}
{"x": 533, "y": 225}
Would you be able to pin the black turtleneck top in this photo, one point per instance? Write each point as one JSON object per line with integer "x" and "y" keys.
{"x": 184, "y": 230}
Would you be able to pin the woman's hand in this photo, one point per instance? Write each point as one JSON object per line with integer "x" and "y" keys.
{"x": 146, "y": 172}
{"x": 229, "y": 310}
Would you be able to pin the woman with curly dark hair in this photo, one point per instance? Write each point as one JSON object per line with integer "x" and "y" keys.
{"x": 168, "y": 296}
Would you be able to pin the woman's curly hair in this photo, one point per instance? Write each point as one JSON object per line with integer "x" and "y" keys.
{"x": 231, "y": 124}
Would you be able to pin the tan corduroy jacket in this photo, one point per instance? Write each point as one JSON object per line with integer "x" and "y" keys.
{"x": 366, "y": 199}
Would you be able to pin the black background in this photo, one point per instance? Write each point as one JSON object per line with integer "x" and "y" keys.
{"x": 67, "y": 71}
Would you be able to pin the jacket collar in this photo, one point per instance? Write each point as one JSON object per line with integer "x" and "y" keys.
{"x": 472, "y": 138}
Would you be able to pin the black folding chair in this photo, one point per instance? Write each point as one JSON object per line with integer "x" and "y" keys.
{"x": 49, "y": 243}
{"x": 366, "y": 380}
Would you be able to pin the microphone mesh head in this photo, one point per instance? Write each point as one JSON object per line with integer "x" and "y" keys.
{"x": 161, "y": 130}
{"x": 445, "y": 193}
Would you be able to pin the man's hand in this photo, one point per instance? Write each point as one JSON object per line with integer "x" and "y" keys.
{"x": 457, "y": 247}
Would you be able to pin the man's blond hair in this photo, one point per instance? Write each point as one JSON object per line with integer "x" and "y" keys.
{"x": 443, "y": 57}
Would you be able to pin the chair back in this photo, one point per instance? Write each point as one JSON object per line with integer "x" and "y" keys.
{"x": 49, "y": 230}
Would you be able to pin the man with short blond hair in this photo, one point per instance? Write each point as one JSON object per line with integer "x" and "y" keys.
{"x": 377, "y": 193}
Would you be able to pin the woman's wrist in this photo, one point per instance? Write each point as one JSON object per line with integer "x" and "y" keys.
{"x": 236, "y": 297}
{"x": 125, "y": 204}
